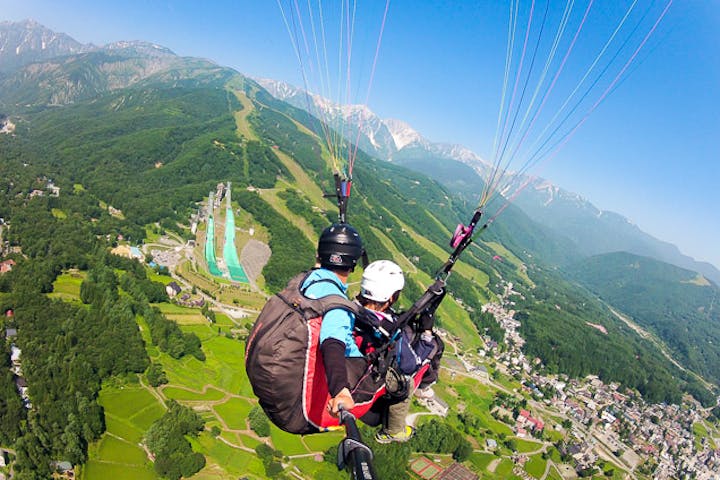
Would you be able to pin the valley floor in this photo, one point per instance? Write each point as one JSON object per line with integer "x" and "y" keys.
{"x": 585, "y": 424}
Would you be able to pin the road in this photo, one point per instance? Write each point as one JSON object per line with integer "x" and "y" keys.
{"x": 183, "y": 251}
{"x": 660, "y": 345}
{"x": 602, "y": 448}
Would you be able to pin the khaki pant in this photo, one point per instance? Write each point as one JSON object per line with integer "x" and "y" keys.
{"x": 390, "y": 413}
{"x": 397, "y": 412}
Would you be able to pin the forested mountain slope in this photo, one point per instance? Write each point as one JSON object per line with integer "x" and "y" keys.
{"x": 572, "y": 221}
{"x": 597, "y": 232}
{"x": 679, "y": 306}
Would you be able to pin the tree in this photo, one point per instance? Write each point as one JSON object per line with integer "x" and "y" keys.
{"x": 264, "y": 451}
{"x": 273, "y": 468}
{"x": 156, "y": 375}
{"x": 259, "y": 422}
{"x": 441, "y": 437}
{"x": 391, "y": 460}
{"x": 166, "y": 439}
{"x": 463, "y": 451}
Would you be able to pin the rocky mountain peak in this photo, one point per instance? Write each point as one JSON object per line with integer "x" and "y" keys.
{"x": 403, "y": 134}
{"x": 28, "y": 41}
{"x": 146, "y": 49}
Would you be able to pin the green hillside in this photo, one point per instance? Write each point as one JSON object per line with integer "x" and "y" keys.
{"x": 561, "y": 325}
{"x": 155, "y": 149}
{"x": 133, "y": 164}
{"x": 516, "y": 230}
{"x": 679, "y": 306}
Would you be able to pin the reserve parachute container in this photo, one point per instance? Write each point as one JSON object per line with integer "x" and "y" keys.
{"x": 283, "y": 360}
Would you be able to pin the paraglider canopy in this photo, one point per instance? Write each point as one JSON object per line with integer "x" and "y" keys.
{"x": 332, "y": 53}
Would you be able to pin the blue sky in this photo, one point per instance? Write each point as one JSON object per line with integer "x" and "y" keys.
{"x": 649, "y": 151}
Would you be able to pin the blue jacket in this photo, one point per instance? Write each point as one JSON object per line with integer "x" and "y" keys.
{"x": 337, "y": 323}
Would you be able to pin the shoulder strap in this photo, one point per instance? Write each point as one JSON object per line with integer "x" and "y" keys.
{"x": 320, "y": 280}
{"x": 294, "y": 296}
{"x": 332, "y": 302}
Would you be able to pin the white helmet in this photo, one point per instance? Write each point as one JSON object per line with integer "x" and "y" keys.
{"x": 380, "y": 280}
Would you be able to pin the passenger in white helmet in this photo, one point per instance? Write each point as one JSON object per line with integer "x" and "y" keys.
{"x": 382, "y": 283}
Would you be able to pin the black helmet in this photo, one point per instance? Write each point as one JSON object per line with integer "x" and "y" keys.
{"x": 339, "y": 246}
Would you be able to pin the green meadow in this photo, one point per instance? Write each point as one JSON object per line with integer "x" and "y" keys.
{"x": 130, "y": 409}
{"x": 155, "y": 277}
{"x": 223, "y": 368}
{"x": 317, "y": 470}
{"x": 218, "y": 388}
{"x": 100, "y": 470}
{"x": 319, "y": 442}
{"x": 209, "y": 395}
{"x": 553, "y": 474}
{"x": 234, "y": 413}
{"x": 481, "y": 461}
{"x": 527, "y": 446}
{"x": 287, "y": 443}
{"x": 170, "y": 309}
{"x": 475, "y": 398}
{"x": 232, "y": 462}
{"x": 535, "y": 466}
{"x": 700, "y": 431}
{"x": 67, "y": 286}
{"x": 222, "y": 320}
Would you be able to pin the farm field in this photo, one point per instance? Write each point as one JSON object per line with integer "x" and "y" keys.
{"x": 67, "y": 286}
{"x": 536, "y": 466}
{"x": 129, "y": 410}
{"x": 219, "y": 390}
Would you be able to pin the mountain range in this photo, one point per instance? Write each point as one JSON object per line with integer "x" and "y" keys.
{"x": 26, "y": 42}
{"x": 150, "y": 133}
{"x": 591, "y": 230}
{"x": 70, "y": 77}
{"x": 120, "y": 144}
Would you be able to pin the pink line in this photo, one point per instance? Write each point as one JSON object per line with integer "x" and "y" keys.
{"x": 351, "y": 160}
{"x": 552, "y": 85}
{"x": 612, "y": 84}
{"x": 592, "y": 109}
{"x": 517, "y": 76}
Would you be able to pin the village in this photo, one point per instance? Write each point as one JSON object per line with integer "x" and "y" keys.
{"x": 607, "y": 424}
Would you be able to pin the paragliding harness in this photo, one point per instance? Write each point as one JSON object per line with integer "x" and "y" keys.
{"x": 284, "y": 363}
{"x": 394, "y": 356}
{"x": 341, "y": 194}
{"x": 420, "y": 316}
{"x": 282, "y": 356}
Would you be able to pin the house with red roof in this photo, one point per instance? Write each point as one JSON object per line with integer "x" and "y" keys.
{"x": 7, "y": 265}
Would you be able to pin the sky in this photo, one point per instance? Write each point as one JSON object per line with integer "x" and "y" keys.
{"x": 649, "y": 151}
